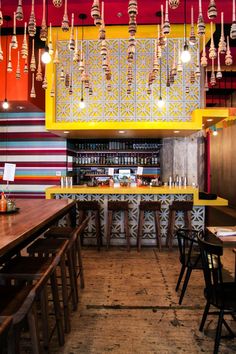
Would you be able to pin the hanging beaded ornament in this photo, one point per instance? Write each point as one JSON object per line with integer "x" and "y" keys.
{"x": 222, "y": 43}
{"x": 32, "y": 92}
{"x": 19, "y": 11}
{"x": 24, "y": 48}
{"x": 166, "y": 25}
{"x": 218, "y": 73}
{"x": 201, "y": 27}
{"x": 212, "y": 50}
{"x": 65, "y": 20}
{"x": 212, "y": 10}
{"x": 14, "y": 43}
{"x": 18, "y": 74}
{"x": 213, "y": 77}
{"x": 233, "y": 26}
{"x": 32, "y": 61}
{"x": 43, "y": 35}
{"x": 32, "y": 22}
{"x": 228, "y": 56}
{"x": 192, "y": 37}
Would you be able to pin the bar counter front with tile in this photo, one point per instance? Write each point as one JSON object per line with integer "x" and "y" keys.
{"x": 166, "y": 195}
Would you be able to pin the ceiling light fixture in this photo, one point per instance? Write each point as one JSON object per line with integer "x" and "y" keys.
{"x": 5, "y": 104}
{"x": 185, "y": 55}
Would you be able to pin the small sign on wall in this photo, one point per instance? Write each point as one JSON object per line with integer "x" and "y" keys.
{"x": 9, "y": 172}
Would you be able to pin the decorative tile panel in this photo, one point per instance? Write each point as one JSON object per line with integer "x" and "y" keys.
{"x": 117, "y": 105}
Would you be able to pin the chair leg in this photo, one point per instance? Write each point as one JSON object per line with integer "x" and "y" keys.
{"x": 109, "y": 226}
{"x": 186, "y": 280}
{"x": 45, "y": 316}
{"x": 98, "y": 229}
{"x": 187, "y": 220}
{"x": 34, "y": 331}
{"x": 140, "y": 229}
{"x": 57, "y": 309}
{"x": 65, "y": 294}
{"x": 127, "y": 233}
{"x": 204, "y": 316}
{"x": 158, "y": 229}
{"x": 170, "y": 230}
{"x": 73, "y": 279}
{"x": 218, "y": 331}
{"x": 80, "y": 263}
{"x": 180, "y": 277}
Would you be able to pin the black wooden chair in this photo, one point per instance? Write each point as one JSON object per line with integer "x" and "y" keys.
{"x": 220, "y": 294}
{"x": 189, "y": 256}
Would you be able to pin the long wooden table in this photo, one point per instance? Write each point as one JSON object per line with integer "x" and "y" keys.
{"x": 227, "y": 241}
{"x": 33, "y": 218}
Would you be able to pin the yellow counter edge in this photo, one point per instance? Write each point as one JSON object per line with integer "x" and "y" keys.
{"x": 51, "y": 191}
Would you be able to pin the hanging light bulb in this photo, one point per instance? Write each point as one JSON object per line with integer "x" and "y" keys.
{"x": 81, "y": 103}
{"x": 233, "y": 26}
{"x": 46, "y": 57}
{"x": 185, "y": 55}
{"x": 5, "y": 104}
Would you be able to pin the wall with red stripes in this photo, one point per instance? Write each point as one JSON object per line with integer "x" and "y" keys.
{"x": 40, "y": 156}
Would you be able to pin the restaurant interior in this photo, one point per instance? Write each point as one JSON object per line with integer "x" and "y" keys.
{"x": 118, "y": 195}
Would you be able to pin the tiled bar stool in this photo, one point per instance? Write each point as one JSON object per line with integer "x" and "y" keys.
{"x": 154, "y": 207}
{"x": 91, "y": 206}
{"x": 119, "y": 206}
{"x": 178, "y": 206}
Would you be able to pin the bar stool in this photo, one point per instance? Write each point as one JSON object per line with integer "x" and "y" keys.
{"x": 113, "y": 207}
{"x": 153, "y": 207}
{"x": 91, "y": 206}
{"x": 178, "y": 206}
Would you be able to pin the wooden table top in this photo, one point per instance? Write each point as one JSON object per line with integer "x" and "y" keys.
{"x": 228, "y": 241}
{"x": 33, "y": 216}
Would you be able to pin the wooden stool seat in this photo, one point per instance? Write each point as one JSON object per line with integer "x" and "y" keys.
{"x": 119, "y": 206}
{"x": 153, "y": 207}
{"x": 184, "y": 206}
{"x": 93, "y": 206}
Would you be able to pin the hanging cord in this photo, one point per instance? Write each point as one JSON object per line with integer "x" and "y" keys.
{"x": 185, "y": 22}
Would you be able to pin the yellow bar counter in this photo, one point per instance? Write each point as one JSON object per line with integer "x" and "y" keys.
{"x": 166, "y": 195}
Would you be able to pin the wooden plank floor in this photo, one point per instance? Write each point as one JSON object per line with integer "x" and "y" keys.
{"x": 129, "y": 306}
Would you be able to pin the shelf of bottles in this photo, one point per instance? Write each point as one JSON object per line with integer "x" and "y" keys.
{"x": 93, "y": 158}
{"x": 118, "y": 153}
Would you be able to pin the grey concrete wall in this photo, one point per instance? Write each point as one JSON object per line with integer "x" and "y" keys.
{"x": 184, "y": 157}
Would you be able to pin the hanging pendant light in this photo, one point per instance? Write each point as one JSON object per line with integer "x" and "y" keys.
{"x": 102, "y": 31}
{"x": 26, "y": 70}
{"x": 32, "y": 61}
{"x": 206, "y": 86}
{"x": 72, "y": 40}
{"x": 5, "y": 104}
{"x": 197, "y": 69}
{"x": 32, "y": 22}
{"x": 192, "y": 37}
{"x": 9, "y": 65}
{"x": 45, "y": 82}
{"x": 52, "y": 92}
{"x": 32, "y": 92}
{"x": 19, "y": 11}
{"x": 212, "y": 50}
{"x": 76, "y": 56}
{"x": 46, "y": 57}
{"x": 18, "y": 74}
{"x": 1, "y": 51}
{"x": 213, "y": 77}
{"x": 95, "y": 12}
{"x": 179, "y": 65}
{"x": 212, "y": 10}
{"x": 201, "y": 27}
{"x": 174, "y": 4}
{"x": 222, "y": 43}
{"x": 1, "y": 16}
{"x": 228, "y": 56}
{"x": 14, "y": 43}
{"x": 39, "y": 75}
{"x": 43, "y": 30}
{"x": 24, "y": 48}
{"x": 233, "y": 26}
{"x": 166, "y": 25}
{"x": 185, "y": 55}
{"x": 204, "y": 57}
{"x": 218, "y": 73}
{"x": 81, "y": 102}
{"x": 57, "y": 3}
{"x": 160, "y": 102}
{"x": 65, "y": 20}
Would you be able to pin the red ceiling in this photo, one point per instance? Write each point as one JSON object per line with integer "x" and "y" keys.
{"x": 147, "y": 10}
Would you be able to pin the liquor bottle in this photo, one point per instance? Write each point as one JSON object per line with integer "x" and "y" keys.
{"x": 3, "y": 203}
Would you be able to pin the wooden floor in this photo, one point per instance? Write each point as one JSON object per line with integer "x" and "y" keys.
{"x": 129, "y": 306}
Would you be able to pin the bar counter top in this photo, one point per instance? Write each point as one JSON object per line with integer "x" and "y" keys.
{"x": 51, "y": 191}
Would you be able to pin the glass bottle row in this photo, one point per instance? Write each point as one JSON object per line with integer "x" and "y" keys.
{"x": 121, "y": 159}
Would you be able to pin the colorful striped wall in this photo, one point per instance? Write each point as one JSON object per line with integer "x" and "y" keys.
{"x": 40, "y": 156}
